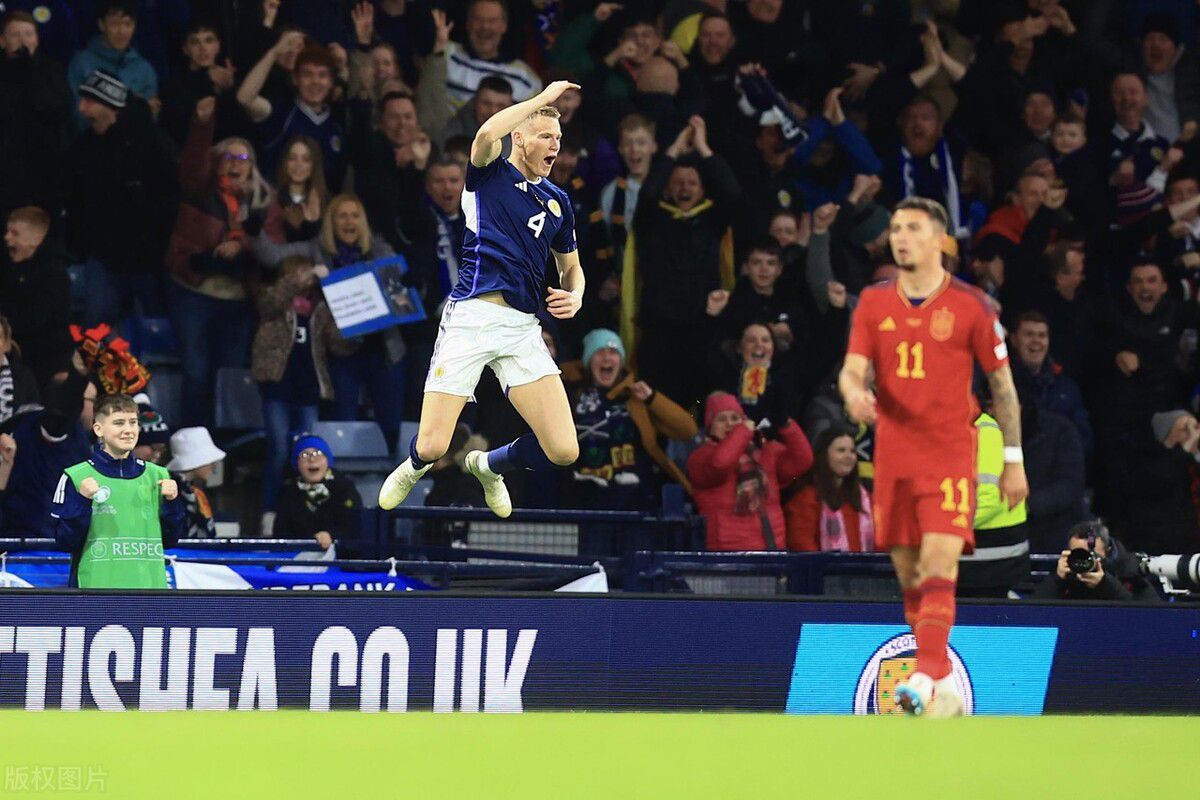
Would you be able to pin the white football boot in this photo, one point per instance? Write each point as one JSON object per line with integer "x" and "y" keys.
{"x": 397, "y": 485}
{"x": 915, "y": 694}
{"x": 494, "y": 490}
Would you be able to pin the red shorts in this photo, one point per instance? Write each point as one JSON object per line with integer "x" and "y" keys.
{"x": 907, "y": 508}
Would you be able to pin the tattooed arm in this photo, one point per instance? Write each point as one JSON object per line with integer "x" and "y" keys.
{"x": 1007, "y": 410}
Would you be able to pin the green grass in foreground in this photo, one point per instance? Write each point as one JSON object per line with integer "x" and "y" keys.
{"x": 346, "y": 755}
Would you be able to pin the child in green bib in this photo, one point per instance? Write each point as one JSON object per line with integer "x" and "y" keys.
{"x": 115, "y": 513}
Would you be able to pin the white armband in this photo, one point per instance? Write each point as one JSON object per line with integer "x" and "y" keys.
{"x": 1013, "y": 455}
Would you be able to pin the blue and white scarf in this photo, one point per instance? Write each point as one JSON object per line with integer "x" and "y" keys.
{"x": 943, "y": 164}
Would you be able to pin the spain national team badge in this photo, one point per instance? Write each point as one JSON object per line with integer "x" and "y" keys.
{"x": 941, "y": 324}
{"x": 554, "y": 207}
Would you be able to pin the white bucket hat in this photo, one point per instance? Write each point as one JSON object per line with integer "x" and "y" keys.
{"x": 192, "y": 448}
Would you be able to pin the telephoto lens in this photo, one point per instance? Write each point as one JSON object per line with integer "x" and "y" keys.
{"x": 1081, "y": 560}
{"x": 1182, "y": 570}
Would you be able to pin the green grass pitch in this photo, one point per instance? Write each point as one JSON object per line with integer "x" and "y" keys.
{"x": 297, "y": 754}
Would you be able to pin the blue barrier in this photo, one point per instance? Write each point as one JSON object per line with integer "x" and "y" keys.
{"x": 505, "y": 652}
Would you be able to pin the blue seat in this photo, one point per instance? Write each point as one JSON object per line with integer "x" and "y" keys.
{"x": 165, "y": 391}
{"x": 358, "y": 447}
{"x": 238, "y": 404}
{"x": 152, "y": 340}
{"x": 408, "y": 430}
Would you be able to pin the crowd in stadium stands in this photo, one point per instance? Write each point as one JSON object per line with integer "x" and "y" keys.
{"x": 204, "y": 165}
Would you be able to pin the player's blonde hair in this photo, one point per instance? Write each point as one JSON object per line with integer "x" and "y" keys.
{"x": 544, "y": 111}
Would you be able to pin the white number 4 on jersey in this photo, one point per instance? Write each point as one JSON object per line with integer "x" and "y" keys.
{"x": 536, "y": 223}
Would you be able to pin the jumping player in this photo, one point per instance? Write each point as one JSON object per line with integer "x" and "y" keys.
{"x": 921, "y": 334}
{"x": 515, "y": 220}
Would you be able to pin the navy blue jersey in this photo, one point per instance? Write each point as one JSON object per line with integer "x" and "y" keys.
{"x": 512, "y": 225}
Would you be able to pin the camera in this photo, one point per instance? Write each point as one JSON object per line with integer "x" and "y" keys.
{"x": 1082, "y": 560}
{"x": 1183, "y": 570}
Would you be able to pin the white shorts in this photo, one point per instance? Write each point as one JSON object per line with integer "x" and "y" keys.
{"x": 475, "y": 333}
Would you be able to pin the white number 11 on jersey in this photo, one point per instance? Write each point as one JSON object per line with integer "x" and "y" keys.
{"x": 536, "y": 223}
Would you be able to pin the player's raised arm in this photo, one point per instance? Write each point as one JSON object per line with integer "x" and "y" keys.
{"x": 486, "y": 147}
{"x": 1006, "y": 408}
{"x": 852, "y": 383}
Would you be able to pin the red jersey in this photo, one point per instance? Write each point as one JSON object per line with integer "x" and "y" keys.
{"x": 924, "y": 362}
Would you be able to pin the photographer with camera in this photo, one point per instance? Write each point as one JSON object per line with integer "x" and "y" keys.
{"x": 1095, "y": 566}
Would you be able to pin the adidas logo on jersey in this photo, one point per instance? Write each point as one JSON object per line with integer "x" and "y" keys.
{"x": 523, "y": 186}
{"x": 888, "y": 324}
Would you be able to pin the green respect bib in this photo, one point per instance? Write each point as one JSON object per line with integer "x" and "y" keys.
{"x": 124, "y": 548}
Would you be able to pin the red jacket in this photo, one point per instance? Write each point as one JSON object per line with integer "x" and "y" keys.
{"x": 803, "y": 514}
{"x": 713, "y": 470}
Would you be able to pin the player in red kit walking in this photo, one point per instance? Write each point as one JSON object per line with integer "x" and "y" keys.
{"x": 922, "y": 333}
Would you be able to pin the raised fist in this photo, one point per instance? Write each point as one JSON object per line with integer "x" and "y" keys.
{"x": 88, "y": 488}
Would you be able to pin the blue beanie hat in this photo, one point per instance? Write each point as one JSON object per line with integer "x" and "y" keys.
{"x": 600, "y": 339}
{"x": 306, "y": 441}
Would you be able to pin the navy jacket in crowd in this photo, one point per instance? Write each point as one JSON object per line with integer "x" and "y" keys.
{"x": 1052, "y": 390}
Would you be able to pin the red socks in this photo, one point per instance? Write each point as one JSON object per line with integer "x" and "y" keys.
{"x": 933, "y": 623}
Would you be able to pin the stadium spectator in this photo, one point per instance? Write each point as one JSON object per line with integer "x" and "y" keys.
{"x": 289, "y": 359}
{"x": 1138, "y": 158}
{"x": 925, "y": 163}
{"x": 33, "y": 285}
{"x": 123, "y": 196}
{"x": 1027, "y": 51}
{"x": 374, "y": 65}
{"x": 494, "y": 93}
{"x": 1114, "y": 575}
{"x": 1075, "y": 165}
{"x": 18, "y": 387}
{"x": 834, "y": 152}
{"x": 617, "y": 205}
{"x": 832, "y": 509}
{"x": 346, "y": 239}
{"x": 1143, "y": 486}
{"x": 210, "y": 259}
{"x": 757, "y": 373}
{"x": 757, "y": 298}
{"x": 8, "y": 455}
{"x": 617, "y": 71}
{"x": 1178, "y": 247}
{"x": 715, "y": 70}
{"x": 1041, "y": 379}
{"x": 301, "y": 194}
{"x": 58, "y": 31}
{"x": 203, "y": 76}
{"x": 35, "y": 106}
{"x": 1054, "y": 462}
{"x": 115, "y": 513}
{"x": 736, "y": 476}
{"x": 407, "y": 27}
{"x": 389, "y": 166}
{"x": 466, "y": 67}
{"x": 1172, "y": 77}
{"x": 111, "y": 51}
{"x": 1071, "y": 312}
{"x": 194, "y": 457}
{"x": 620, "y": 420}
{"x": 153, "y": 432}
{"x": 683, "y": 252}
{"x": 317, "y": 503}
{"x": 310, "y": 112}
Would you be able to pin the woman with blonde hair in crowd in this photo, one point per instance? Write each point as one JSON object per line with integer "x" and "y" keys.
{"x": 345, "y": 239}
{"x": 210, "y": 260}
{"x": 300, "y": 193}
